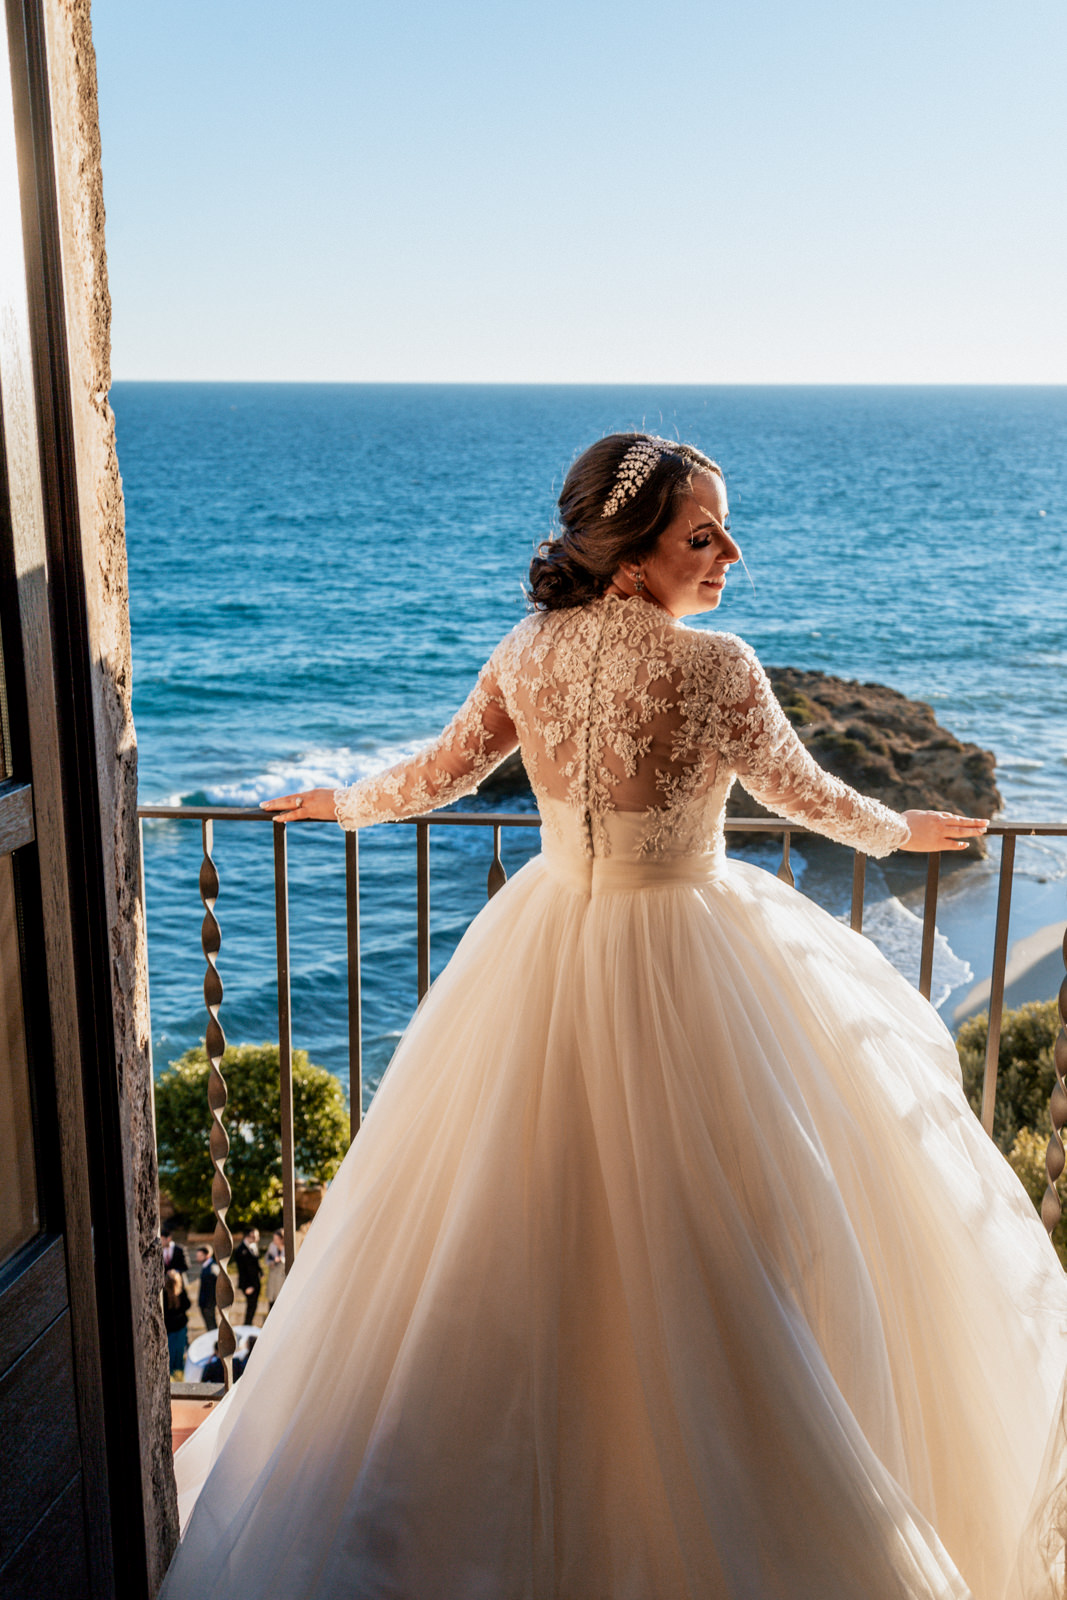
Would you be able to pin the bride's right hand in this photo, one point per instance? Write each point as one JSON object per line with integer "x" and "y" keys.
{"x": 940, "y": 830}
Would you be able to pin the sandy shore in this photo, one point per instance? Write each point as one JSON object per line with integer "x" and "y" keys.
{"x": 1034, "y": 971}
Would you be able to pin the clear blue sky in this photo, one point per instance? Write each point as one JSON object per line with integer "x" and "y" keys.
{"x": 730, "y": 191}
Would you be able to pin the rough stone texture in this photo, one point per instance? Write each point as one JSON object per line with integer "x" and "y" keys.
{"x": 75, "y": 131}
{"x": 877, "y": 740}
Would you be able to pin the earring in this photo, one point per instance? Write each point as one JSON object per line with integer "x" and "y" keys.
{"x": 639, "y": 582}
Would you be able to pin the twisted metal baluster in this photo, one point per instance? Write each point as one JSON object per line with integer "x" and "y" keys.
{"x": 1051, "y": 1210}
{"x": 497, "y": 876}
{"x": 218, "y": 1140}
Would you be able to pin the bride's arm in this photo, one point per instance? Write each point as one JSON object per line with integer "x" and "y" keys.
{"x": 477, "y": 739}
{"x": 760, "y": 743}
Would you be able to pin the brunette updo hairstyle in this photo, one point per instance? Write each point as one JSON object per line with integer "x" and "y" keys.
{"x": 577, "y": 564}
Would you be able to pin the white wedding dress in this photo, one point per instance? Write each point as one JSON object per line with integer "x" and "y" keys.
{"x": 670, "y": 1263}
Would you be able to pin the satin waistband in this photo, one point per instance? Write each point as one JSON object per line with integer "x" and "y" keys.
{"x": 595, "y": 875}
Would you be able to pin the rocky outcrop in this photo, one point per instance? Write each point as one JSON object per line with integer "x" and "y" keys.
{"x": 507, "y": 780}
{"x": 876, "y": 739}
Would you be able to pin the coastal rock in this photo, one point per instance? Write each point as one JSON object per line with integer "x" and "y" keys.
{"x": 875, "y": 738}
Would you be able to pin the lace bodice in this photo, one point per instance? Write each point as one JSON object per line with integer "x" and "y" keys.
{"x": 618, "y": 708}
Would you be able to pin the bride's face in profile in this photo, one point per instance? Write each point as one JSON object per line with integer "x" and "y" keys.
{"x": 686, "y": 571}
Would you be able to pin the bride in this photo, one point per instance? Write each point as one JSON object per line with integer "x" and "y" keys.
{"x": 670, "y": 1263}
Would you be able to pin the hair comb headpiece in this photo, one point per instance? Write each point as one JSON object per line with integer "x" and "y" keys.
{"x": 634, "y": 470}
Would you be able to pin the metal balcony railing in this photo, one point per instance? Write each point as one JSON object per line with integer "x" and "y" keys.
{"x": 207, "y": 816}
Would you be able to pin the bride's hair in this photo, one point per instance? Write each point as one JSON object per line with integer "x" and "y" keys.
{"x": 607, "y": 517}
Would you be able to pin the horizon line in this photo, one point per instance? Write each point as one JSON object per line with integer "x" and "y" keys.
{"x": 603, "y": 383}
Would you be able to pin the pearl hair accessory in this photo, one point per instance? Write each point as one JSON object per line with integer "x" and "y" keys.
{"x": 633, "y": 471}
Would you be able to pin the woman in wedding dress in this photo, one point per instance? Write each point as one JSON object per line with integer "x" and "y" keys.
{"x": 670, "y": 1263}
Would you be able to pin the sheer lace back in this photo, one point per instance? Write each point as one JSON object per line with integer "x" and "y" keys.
{"x": 599, "y": 700}
{"x": 617, "y": 708}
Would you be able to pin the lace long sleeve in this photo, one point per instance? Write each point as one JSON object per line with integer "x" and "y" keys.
{"x": 761, "y": 745}
{"x": 477, "y": 739}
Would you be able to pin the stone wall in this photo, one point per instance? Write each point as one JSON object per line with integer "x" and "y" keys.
{"x": 76, "y": 135}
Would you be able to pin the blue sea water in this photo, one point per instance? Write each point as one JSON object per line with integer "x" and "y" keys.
{"x": 318, "y": 571}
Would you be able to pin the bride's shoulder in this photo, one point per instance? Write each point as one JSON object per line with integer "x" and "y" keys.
{"x": 527, "y": 638}
{"x": 550, "y": 625}
{"x": 521, "y": 633}
{"x": 713, "y": 647}
{"x": 722, "y": 664}
{"x": 711, "y": 638}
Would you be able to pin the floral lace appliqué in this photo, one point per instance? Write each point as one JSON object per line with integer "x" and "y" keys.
{"x": 616, "y": 707}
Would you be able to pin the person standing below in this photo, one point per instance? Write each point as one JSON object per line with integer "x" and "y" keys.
{"x": 240, "y": 1360}
{"x": 173, "y": 1254}
{"x": 275, "y": 1268}
{"x": 215, "y": 1372}
{"x": 209, "y": 1271}
{"x": 176, "y": 1320}
{"x": 246, "y": 1259}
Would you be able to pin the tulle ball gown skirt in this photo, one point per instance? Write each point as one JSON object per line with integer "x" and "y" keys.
{"x": 670, "y": 1264}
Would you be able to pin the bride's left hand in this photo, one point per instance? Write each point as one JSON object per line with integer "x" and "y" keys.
{"x": 312, "y": 804}
{"x": 940, "y": 830}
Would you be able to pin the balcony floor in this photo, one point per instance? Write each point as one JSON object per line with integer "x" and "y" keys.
{"x": 185, "y": 1417}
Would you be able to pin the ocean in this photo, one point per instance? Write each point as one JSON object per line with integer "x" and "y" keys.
{"x": 318, "y": 571}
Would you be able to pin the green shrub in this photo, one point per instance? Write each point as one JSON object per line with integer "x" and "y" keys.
{"x": 832, "y": 745}
{"x": 1025, "y": 1073}
{"x": 798, "y": 708}
{"x": 1027, "y": 1157}
{"x": 253, "y": 1121}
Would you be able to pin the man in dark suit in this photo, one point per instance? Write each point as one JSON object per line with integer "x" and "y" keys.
{"x": 209, "y": 1271}
{"x": 246, "y": 1260}
{"x": 173, "y": 1254}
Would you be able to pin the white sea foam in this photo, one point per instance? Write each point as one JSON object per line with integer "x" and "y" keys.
{"x": 1041, "y": 858}
{"x": 887, "y": 922}
{"x": 310, "y": 769}
{"x": 898, "y": 932}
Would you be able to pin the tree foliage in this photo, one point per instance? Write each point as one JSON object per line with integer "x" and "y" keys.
{"x": 1025, "y": 1073}
{"x": 253, "y": 1121}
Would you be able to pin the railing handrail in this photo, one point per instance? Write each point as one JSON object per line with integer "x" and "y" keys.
{"x": 518, "y": 819}
{"x": 529, "y": 819}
